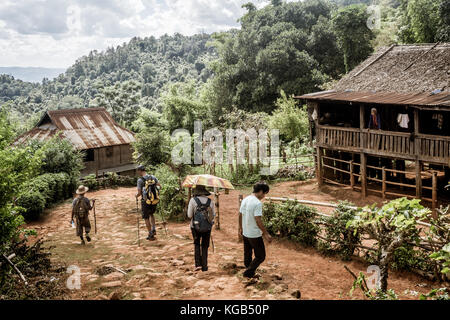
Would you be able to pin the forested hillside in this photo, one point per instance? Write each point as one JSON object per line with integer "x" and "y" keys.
{"x": 142, "y": 66}
{"x": 295, "y": 47}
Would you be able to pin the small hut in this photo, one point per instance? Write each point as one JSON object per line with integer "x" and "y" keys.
{"x": 106, "y": 145}
{"x": 385, "y": 128}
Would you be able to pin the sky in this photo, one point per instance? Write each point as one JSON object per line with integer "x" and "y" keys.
{"x": 54, "y": 33}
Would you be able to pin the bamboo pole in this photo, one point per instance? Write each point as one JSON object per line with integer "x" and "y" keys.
{"x": 241, "y": 197}
{"x": 434, "y": 195}
{"x": 216, "y": 203}
{"x": 352, "y": 177}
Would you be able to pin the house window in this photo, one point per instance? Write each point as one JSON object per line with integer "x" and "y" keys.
{"x": 89, "y": 155}
{"x": 109, "y": 152}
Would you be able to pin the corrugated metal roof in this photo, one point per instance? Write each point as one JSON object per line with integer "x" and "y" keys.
{"x": 84, "y": 128}
{"x": 414, "y": 99}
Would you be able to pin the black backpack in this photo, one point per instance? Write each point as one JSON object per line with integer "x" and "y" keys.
{"x": 202, "y": 220}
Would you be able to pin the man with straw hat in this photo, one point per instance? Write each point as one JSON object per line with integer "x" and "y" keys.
{"x": 80, "y": 210}
{"x": 201, "y": 212}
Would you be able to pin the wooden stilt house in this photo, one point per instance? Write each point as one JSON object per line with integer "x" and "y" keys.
{"x": 385, "y": 128}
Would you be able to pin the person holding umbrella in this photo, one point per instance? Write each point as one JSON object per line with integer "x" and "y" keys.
{"x": 201, "y": 212}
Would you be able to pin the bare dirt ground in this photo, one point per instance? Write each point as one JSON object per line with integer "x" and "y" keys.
{"x": 163, "y": 269}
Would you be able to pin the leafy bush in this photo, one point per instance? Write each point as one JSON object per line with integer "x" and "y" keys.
{"x": 111, "y": 179}
{"x": 91, "y": 182}
{"x": 41, "y": 191}
{"x": 407, "y": 258}
{"x": 10, "y": 221}
{"x": 339, "y": 239}
{"x": 34, "y": 204}
{"x": 172, "y": 197}
{"x": 291, "y": 220}
{"x": 59, "y": 155}
{"x": 152, "y": 147}
{"x": 392, "y": 226}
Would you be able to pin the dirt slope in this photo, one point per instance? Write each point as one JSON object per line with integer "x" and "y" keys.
{"x": 163, "y": 269}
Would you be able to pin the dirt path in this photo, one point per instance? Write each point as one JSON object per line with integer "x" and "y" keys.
{"x": 162, "y": 269}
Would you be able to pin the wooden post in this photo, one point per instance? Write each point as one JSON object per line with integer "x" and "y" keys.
{"x": 434, "y": 195}
{"x": 241, "y": 197}
{"x": 352, "y": 177}
{"x": 319, "y": 167}
{"x": 418, "y": 179}
{"x": 383, "y": 187}
{"x": 363, "y": 172}
{"x": 216, "y": 203}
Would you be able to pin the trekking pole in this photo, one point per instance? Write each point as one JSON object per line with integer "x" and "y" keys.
{"x": 164, "y": 222}
{"x": 137, "y": 215}
{"x": 212, "y": 242}
{"x": 95, "y": 219}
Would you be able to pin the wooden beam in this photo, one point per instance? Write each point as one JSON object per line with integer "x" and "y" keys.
{"x": 418, "y": 179}
{"x": 381, "y": 56}
{"x": 434, "y": 195}
{"x": 364, "y": 175}
{"x": 319, "y": 166}
{"x": 420, "y": 56}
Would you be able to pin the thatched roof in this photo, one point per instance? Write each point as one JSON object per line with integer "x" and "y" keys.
{"x": 402, "y": 69}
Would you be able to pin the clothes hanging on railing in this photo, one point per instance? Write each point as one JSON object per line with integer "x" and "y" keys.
{"x": 403, "y": 120}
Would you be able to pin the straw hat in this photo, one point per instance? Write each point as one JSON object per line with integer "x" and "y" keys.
{"x": 200, "y": 191}
{"x": 82, "y": 190}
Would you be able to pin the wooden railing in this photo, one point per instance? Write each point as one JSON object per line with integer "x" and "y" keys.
{"x": 433, "y": 146}
{"x": 386, "y": 143}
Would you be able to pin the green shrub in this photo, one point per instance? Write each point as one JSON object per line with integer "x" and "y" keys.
{"x": 339, "y": 239}
{"x": 91, "y": 182}
{"x": 291, "y": 220}
{"x": 59, "y": 155}
{"x": 407, "y": 257}
{"x": 172, "y": 196}
{"x": 33, "y": 202}
{"x": 51, "y": 187}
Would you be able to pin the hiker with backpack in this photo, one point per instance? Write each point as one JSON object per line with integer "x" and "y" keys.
{"x": 81, "y": 206}
{"x": 252, "y": 229}
{"x": 201, "y": 212}
{"x": 148, "y": 189}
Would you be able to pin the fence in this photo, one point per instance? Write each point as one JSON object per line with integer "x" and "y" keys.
{"x": 353, "y": 170}
{"x": 424, "y": 244}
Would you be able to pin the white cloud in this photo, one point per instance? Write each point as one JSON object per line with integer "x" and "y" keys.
{"x": 54, "y": 33}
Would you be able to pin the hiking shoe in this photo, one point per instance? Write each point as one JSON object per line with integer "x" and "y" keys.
{"x": 151, "y": 237}
{"x": 197, "y": 269}
{"x": 88, "y": 238}
{"x": 83, "y": 243}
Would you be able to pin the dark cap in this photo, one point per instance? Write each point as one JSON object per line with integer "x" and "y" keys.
{"x": 141, "y": 168}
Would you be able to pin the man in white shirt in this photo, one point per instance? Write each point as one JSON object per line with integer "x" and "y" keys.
{"x": 252, "y": 229}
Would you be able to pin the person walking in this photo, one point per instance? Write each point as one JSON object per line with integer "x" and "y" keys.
{"x": 252, "y": 229}
{"x": 148, "y": 189}
{"x": 81, "y": 206}
{"x": 201, "y": 211}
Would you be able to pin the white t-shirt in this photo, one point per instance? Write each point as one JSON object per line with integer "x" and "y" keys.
{"x": 251, "y": 207}
{"x": 403, "y": 120}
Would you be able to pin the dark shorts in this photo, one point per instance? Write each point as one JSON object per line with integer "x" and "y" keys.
{"x": 82, "y": 223}
{"x": 148, "y": 210}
